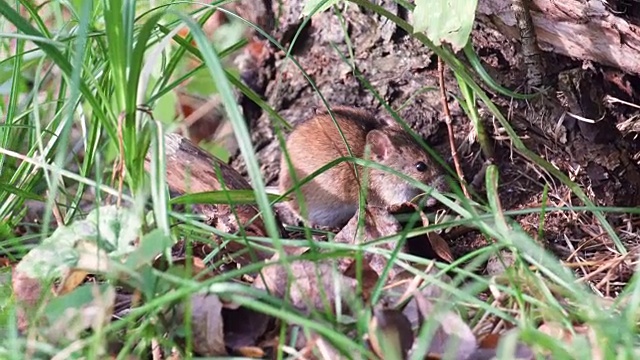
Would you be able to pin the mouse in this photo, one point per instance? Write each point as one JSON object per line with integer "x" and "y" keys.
{"x": 332, "y": 198}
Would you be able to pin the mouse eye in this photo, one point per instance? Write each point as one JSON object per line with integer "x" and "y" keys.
{"x": 421, "y": 166}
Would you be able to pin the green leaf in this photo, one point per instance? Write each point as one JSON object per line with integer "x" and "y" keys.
{"x": 106, "y": 232}
{"x": 150, "y": 246}
{"x": 87, "y": 307}
{"x": 321, "y": 6}
{"x": 5, "y": 230}
{"x": 445, "y": 20}
{"x": 233, "y": 197}
{"x": 80, "y": 297}
{"x": 19, "y": 192}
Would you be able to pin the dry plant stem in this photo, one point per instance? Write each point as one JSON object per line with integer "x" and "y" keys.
{"x": 604, "y": 267}
{"x": 56, "y": 213}
{"x": 530, "y": 49}
{"x": 118, "y": 166}
{"x": 156, "y": 350}
{"x": 447, "y": 119}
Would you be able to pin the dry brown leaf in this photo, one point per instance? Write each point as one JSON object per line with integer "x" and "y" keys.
{"x": 315, "y": 347}
{"x": 453, "y": 334}
{"x": 251, "y": 352}
{"x": 565, "y": 335}
{"x": 206, "y": 324}
{"x": 489, "y": 341}
{"x": 71, "y": 281}
{"x": 199, "y": 269}
{"x": 4, "y": 261}
{"x": 378, "y": 223}
{"x": 488, "y": 347}
{"x": 440, "y": 247}
{"x": 368, "y": 277}
{"x": 430, "y": 245}
{"x": 312, "y": 283}
{"x": 27, "y": 292}
{"x": 243, "y": 327}
{"x": 401, "y": 290}
{"x": 438, "y": 244}
{"x": 390, "y": 334}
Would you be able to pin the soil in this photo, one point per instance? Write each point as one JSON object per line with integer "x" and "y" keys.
{"x": 601, "y": 158}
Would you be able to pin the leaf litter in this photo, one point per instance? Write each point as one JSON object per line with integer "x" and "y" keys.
{"x": 79, "y": 259}
{"x": 97, "y": 271}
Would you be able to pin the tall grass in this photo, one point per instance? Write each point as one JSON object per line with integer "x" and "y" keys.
{"x": 92, "y": 65}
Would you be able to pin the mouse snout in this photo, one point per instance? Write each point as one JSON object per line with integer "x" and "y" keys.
{"x": 394, "y": 191}
{"x": 439, "y": 184}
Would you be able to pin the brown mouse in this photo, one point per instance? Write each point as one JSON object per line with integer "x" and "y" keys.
{"x": 332, "y": 198}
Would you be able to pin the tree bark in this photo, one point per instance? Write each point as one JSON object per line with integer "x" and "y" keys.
{"x": 402, "y": 73}
{"x": 579, "y": 29}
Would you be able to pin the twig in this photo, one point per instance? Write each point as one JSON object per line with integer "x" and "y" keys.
{"x": 530, "y": 50}
{"x": 56, "y": 213}
{"x": 447, "y": 119}
{"x": 156, "y": 350}
{"x": 118, "y": 165}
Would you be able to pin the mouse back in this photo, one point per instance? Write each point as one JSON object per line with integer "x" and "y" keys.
{"x": 333, "y": 195}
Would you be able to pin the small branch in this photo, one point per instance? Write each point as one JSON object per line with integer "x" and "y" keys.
{"x": 530, "y": 49}
{"x": 118, "y": 165}
{"x": 447, "y": 118}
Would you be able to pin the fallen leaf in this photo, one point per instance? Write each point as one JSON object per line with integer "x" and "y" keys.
{"x": 311, "y": 283}
{"x": 71, "y": 281}
{"x": 316, "y": 347}
{"x": 253, "y": 352}
{"x": 430, "y": 245}
{"x": 489, "y": 341}
{"x": 243, "y": 327}
{"x": 378, "y": 223}
{"x": 390, "y": 334}
{"x": 85, "y": 244}
{"x": 4, "y": 262}
{"x": 151, "y": 245}
{"x": 407, "y": 285}
{"x": 27, "y": 291}
{"x": 578, "y": 334}
{"x": 206, "y": 324}
{"x": 452, "y": 337}
{"x": 488, "y": 347}
{"x": 440, "y": 247}
{"x": 87, "y": 307}
{"x": 368, "y": 277}
{"x": 447, "y": 21}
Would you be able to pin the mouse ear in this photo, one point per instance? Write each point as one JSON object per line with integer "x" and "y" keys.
{"x": 390, "y": 123}
{"x": 380, "y": 143}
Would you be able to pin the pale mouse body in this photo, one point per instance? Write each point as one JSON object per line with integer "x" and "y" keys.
{"x": 331, "y": 198}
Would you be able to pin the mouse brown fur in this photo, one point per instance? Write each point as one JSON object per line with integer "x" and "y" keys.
{"x": 332, "y": 197}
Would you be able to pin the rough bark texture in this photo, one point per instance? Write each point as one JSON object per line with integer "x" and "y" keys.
{"x": 191, "y": 170}
{"x": 395, "y": 65}
{"x": 576, "y": 28}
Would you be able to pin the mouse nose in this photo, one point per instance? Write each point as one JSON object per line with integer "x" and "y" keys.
{"x": 441, "y": 184}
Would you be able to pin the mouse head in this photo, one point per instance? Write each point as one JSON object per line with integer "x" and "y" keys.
{"x": 399, "y": 151}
